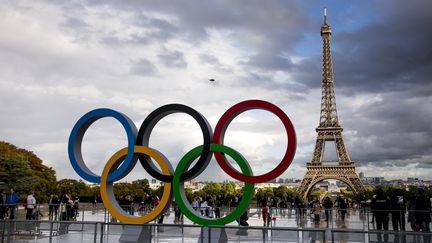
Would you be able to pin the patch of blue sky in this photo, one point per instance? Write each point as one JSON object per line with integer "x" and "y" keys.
{"x": 343, "y": 16}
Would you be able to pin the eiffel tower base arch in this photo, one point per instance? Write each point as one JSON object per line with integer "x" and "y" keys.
{"x": 315, "y": 174}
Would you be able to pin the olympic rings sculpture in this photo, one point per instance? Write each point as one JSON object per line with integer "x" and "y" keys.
{"x": 124, "y": 160}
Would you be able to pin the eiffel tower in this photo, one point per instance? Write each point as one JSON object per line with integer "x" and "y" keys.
{"x": 329, "y": 129}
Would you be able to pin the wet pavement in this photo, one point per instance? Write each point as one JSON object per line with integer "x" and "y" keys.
{"x": 96, "y": 225}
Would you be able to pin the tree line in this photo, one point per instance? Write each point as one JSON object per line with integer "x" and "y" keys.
{"x": 24, "y": 171}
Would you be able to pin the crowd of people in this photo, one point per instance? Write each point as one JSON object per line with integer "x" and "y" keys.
{"x": 418, "y": 208}
{"x": 66, "y": 204}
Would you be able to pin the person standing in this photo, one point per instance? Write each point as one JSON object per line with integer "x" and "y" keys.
{"x": 316, "y": 209}
{"x": 66, "y": 206}
{"x": 204, "y": 208}
{"x": 380, "y": 206}
{"x": 423, "y": 210}
{"x": 398, "y": 206}
{"x": 411, "y": 205}
{"x": 342, "y": 208}
{"x": 11, "y": 200}
{"x": 299, "y": 207}
{"x": 53, "y": 205}
{"x": 31, "y": 203}
{"x": 2, "y": 204}
{"x": 328, "y": 205}
{"x": 178, "y": 217}
{"x": 218, "y": 205}
{"x": 264, "y": 212}
{"x": 195, "y": 204}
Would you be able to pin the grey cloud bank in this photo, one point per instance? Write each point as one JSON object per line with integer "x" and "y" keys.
{"x": 61, "y": 59}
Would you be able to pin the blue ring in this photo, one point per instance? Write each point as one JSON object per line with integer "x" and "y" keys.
{"x": 76, "y": 137}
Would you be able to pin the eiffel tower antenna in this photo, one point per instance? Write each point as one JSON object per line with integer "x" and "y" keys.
{"x": 329, "y": 129}
{"x": 325, "y": 15}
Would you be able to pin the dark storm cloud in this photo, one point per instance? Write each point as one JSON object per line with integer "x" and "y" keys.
{"x": 270, "y": 28}
{"x": 392, "y": 129}
{"x": 270, "y": 31}
{"x": 196, "y": 16}
{"x": 391, "y": 53}
{"x": 390, "y": 57}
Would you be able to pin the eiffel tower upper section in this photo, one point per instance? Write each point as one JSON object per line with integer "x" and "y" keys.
{"x": 328, "y": 116}
{"x": 329, "y": 128}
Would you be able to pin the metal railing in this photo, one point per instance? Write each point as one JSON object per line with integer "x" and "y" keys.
{"x": 95, "y": 224}
{"x": 67, "y": 231}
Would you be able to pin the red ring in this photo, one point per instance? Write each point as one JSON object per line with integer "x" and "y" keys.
{"x": 226, "y": 119}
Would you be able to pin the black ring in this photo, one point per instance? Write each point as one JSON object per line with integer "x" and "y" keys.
{"x": 144, "y": 137}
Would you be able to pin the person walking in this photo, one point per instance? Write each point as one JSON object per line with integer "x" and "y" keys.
{"x": 380, "y": 206}
{"x": 11, "y": 200}
{"x": 31, "y": 203}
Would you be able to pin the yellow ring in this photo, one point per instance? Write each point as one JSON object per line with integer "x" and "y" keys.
{"x": 107, "y": 192}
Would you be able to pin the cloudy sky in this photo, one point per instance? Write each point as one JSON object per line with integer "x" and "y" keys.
{"x": 61, "y": 59}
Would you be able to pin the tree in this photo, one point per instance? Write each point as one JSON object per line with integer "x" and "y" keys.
{"x": 75, "y": 188}
{"x": 189, "y": 194}
{"x": 18, "y": 176}
{"x": 228, "y": 189}
{"x": 25, "y": 172}
{"x": 285, "y": 193}
{"x": 212, "y": 189}
{"x": 317, "y": 193}
{"x": 141, "y": 188}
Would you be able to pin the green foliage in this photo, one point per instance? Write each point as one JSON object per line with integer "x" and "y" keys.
{"x": 317, "y": 193}
{"x": 25, "y": 172}
{"x": 347, "y": 193}
{"x": 135, "y": 190}
{"x": 74, "y": 187}
{"x": 212, "y": 189}
{"x": 189, "y": 194}
{"x": 285, "y": 193}
{"x": 264, "y": 193}
{"x": 228, "y": 189}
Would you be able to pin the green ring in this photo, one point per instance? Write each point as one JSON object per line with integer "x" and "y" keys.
{"x": 180, "y": 196}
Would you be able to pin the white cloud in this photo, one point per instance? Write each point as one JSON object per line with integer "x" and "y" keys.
{"x": 61, "y": 60}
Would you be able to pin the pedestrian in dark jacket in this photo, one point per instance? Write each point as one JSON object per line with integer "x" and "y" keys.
{"x": 423, "y": 210}
{"x": 328, "y": 205}
{"x": 398, "y": 207}
{"x": 380, "y": 206}
{"x": 2, "y": 204}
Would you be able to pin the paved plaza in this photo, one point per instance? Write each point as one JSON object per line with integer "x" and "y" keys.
{"x": 96, "y": 225}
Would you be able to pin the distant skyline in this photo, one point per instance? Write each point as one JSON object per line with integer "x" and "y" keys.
{"x": 61, "y": 59}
